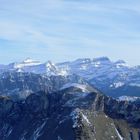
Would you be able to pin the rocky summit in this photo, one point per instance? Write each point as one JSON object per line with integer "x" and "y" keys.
{"x": 75, "y": 112}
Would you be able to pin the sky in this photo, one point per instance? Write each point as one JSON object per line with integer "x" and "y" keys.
{"x": 61, "y": 30}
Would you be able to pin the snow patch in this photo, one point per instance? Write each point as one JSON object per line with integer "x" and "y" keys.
{"x": 83, "y": 67}
{"x": 75, "y": 118}
{"x": 80, "y": 86}
{"x": 119, "y": 135}
{"x": 117, "y": 85}
{"x": 128, "y": 98}
{"x": 86, "y": 119}
{"x": 97, "y": 64}
{"x": 63, "y": 73}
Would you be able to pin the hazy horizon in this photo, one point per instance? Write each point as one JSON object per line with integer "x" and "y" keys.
{"x": 62, "y": 30}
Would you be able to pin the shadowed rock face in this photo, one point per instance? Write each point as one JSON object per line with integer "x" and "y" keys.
{"x": 69, "y": 114}
{"x": 6, "y": 106}
{"x": 36, "y": 103}
{"x": 21, "y": 85}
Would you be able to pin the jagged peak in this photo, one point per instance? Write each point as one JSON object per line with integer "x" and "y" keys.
{"x": 26, "y": 62}
{"x": 49, "y": 63}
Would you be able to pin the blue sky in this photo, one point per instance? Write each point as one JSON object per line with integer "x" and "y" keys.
{"x": 60, "y": 30}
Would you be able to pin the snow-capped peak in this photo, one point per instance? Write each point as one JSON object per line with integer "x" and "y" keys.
{"x": 29, "y": 60}
{"x": 117, "y": 85}
{"x": 51, "y": 69}
{"x": 26, "y": 62}
{"x": 49, "y": 64}
{"x": 34, "y": 66}
{"x": 121, "y": 63}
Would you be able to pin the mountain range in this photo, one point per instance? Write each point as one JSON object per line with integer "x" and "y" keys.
{"x": 112, "y": 78}
{"x": 86, "y": 99}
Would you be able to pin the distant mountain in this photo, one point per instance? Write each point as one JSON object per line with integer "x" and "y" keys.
{"x": 32, "y": 66}
{"x": 129, "y": 98}
{"x": 112, "y": 78}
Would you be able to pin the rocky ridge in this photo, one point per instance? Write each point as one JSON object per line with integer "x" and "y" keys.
{"x": 69, "y": 114}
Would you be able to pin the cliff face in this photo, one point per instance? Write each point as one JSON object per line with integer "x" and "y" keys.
{"x": 18, "y": 86}
{"x": 69, "y": 114}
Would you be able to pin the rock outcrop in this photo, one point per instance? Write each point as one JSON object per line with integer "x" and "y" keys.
{"x": 69, "y": 114}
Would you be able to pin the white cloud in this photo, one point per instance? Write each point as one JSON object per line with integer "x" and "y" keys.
{"x": 56, "y": 25}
